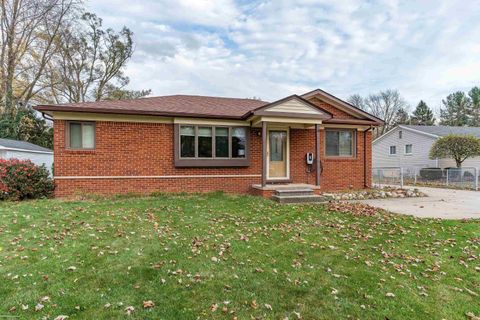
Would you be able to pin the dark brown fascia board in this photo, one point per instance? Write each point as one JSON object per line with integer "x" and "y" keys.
{"x": 258, "y": 111}
{"x": 44, "y": 108}
{"x": 344, "y": 104}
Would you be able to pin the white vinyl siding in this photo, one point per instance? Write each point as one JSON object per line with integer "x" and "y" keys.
{"x": 447, "y": 163}
{"x": 421, "y": 145}
{"x": 37, "y": 158}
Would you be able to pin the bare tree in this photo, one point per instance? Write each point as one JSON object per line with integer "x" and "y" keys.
{"x": 90, "y": 63}
{"x": 357, "y": 101}
{"x": 28, "y": 30}
{"x": 387, "y": 105}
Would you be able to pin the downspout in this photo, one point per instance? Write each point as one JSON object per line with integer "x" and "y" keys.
{"x": 44, "y": 115}
{"x": 365, "y": 157}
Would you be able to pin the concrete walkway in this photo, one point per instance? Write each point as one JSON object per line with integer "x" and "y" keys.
{"x": 440, "y": 203}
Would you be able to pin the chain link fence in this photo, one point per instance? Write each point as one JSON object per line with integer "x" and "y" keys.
{"x": 461, "y": 178}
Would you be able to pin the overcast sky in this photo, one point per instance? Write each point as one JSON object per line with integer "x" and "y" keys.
{"x": 271, "y": 49}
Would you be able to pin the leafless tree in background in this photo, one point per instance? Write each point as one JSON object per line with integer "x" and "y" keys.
{"x": 28, "y": 30}
{"x": 387, "y": 105}
{"x": 90, "y": 63}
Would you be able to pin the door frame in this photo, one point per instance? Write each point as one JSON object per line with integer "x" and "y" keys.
{"x": 287, "y": 130}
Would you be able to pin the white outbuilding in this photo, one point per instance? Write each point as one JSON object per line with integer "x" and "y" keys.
{"x": 26, "y": 151}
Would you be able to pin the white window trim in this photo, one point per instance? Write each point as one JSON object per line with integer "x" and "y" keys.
{"x": 405, "y": 149}
{"x": 390, "y": 151}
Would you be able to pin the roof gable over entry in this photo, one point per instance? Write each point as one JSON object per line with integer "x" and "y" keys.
{"x": 292, "y": 107}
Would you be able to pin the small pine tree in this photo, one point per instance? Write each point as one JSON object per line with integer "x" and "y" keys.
{"x": 457, "y": 110}
{"x": 475, "y": 108}
{"x": 402, "y": 117}
{"x": 423, "y": 115}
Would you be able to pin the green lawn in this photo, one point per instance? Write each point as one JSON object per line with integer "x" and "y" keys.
{"x": 216, "y": 256}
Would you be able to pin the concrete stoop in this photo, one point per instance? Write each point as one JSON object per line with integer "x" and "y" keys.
{"x": 298, "y": 195}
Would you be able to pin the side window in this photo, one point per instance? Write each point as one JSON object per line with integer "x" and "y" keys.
{"x": 339, "y": 143}
{"x": 393, "y": 150}
{"x": 400, "y": 134}
{"x": 408, "y": 149}
{"x": 81, "y": 135}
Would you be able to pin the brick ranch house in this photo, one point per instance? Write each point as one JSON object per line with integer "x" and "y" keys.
{"x": 198, "y": 144}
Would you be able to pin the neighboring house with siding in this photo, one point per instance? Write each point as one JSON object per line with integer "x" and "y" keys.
{"x": 26, "y": 151}
{"x": 408, "y": 146}
{"x": 197, "y": 144}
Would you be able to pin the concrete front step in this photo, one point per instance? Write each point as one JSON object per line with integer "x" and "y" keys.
{"x": 299, "y": 198}
{"x": 294, "y": 192}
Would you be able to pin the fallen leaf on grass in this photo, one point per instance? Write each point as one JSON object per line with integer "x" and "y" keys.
{"x": 148, "y": 304}
{"x": 39, "y": 307}
{"x": 356, "y": 209}
{"x": 390, "y": 295}
{"x": 61, "y": 317}
{"x": 267, "y": 306}
{"x": 473, "y": 293}
{"x": 472, "y": 316}
{"x": 129, "y": 310}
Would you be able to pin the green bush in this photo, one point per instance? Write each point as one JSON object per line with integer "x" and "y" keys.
{"x": 431, "y": 173}
{"x": 21, "y": 179}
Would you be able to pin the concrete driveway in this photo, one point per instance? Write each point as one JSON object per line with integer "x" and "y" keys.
{"x": 440, "y": 203}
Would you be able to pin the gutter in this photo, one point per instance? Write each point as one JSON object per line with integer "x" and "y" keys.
{"x": 365, "y": 181}
{"x": 25, "y": 150}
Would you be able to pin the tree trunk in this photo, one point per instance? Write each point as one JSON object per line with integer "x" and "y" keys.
{"x": 459, "y": 163}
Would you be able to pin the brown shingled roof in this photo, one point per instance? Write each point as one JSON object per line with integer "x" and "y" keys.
{"x": 175, "y": 105}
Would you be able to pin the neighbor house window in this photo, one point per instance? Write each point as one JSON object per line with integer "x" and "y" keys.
{"x": 81, "y": 135}
{"x": 204, "y": 145}
{"x": 393, "y": 150}
{"x": 339, "y": 143}
{"x": 400, "y": 134}
{"x": 408, "y": 149}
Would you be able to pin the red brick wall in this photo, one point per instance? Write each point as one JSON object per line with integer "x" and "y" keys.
{"x": 146, "y": 149}
{"x": 337, "y": 113}
{"x": 338, "y": 173}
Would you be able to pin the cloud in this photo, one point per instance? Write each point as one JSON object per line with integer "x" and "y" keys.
{"x": 271, "y": 49}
